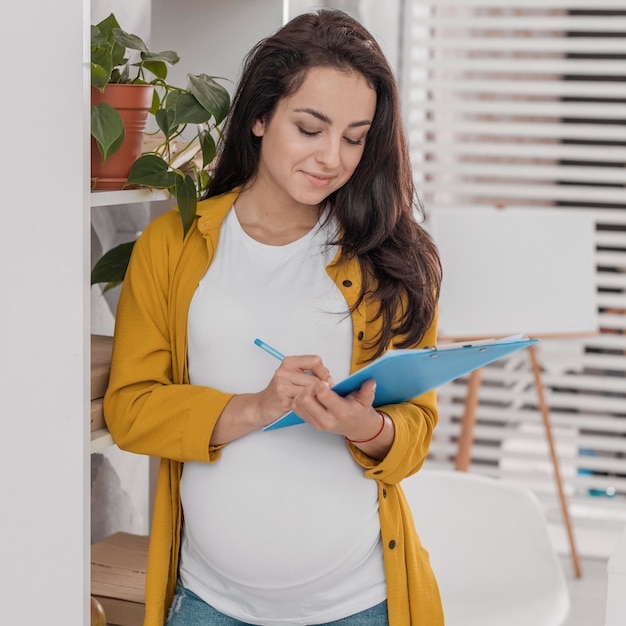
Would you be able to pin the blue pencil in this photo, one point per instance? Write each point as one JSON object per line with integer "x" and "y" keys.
{"x": 275, "y": 353}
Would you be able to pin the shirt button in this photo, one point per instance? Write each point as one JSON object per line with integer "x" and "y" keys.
{"x": 384, "y": 493}
{"x": 378, "y": 472}
{"x": 392, "y": 544}
{"x": 347, "y": 283}
{"x": 360, "y": 335}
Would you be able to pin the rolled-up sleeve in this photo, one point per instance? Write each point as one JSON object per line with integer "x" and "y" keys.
{"x": 148, "y": 407}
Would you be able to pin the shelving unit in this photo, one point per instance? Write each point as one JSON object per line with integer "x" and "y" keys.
{"x": 101, "y": 438}
{"x": 126, "y": 196}
{"x": 214, "y": 35}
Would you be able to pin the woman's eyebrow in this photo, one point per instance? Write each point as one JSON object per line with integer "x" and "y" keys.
{"x": 324, "y": 118}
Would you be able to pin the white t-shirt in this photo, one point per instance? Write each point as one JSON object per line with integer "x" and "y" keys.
{"x": 283, "y": 528}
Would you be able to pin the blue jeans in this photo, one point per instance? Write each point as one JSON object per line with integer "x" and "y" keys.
{"x": 188, "y": 609}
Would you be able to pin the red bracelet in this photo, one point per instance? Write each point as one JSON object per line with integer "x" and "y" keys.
{"x": 382, "y": 427}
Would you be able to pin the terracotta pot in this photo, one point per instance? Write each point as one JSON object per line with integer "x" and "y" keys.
{"x": 133, "y": 103}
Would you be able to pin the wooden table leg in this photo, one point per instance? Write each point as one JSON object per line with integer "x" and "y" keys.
{"x": 545, "y": 414}
{"x": 468, "y": 422}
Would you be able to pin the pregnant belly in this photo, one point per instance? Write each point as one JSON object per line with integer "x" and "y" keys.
{"x": 281, "y": 509}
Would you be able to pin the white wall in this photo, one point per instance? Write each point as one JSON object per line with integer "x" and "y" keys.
{"x": 212, "y": 37}
{"x": 43, "y": 242}
{"x": 382, "y": 19}
{"x": 134, "y": 17}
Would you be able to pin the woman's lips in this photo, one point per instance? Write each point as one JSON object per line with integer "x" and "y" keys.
{"x": 318, "y": 180}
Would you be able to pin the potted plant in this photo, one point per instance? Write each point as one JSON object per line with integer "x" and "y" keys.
{"x": 121, "y": 97}
{"x": 199, "y": 108}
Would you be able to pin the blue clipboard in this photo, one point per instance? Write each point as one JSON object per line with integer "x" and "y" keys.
{"x": 402, "y": 375}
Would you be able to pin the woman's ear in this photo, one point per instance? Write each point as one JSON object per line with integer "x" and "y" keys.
{"x": 258, "y": 128}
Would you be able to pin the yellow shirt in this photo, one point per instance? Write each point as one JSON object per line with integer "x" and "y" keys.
{"x": 150, "y": 408}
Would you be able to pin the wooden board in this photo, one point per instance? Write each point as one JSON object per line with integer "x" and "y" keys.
{"x": 101, "y": 347}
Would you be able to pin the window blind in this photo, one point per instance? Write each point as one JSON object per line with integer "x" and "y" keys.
{"x": 523, "y": 104}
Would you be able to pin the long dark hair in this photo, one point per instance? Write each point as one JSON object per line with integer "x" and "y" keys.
{"x": 376, "y": 209}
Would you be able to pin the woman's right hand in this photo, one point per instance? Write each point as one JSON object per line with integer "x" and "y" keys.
{"x": 250, "y": 411}
{"x": 295, "y": 374}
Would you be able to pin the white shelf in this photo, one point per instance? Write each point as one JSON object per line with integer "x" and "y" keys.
{"x": 127, "y": 196}
{"x": 100, "y": 439}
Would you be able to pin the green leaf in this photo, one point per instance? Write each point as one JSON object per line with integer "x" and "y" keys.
{"x": 152, "y": 171}
{"x": 107, "y": 129}
{"x": 158, "y": 68}
{"x": 190, "y": 111}
{"x": 101, "y": 64}
{"x": 116, "y": 145}
{"x": 205, "y": 179}
{"x": 172, "y": 98}
{"x": 97, "y": 36}
{"x": 111, "y": 267}
{"x": 107, "y": 25}
{"x": 128, "y": 41}
{"x": 118, "y": 56}
{"x": 99, "y": 77}
{"x": 207, "y": 143}
{"x": 156, "y": 102}
{"x": 116, "y": 75}
{"x": 167, "y": 56}
{"x": 165, "y": 122}
{"x": 212, "y": 96}
{"x": 186, "y": 200}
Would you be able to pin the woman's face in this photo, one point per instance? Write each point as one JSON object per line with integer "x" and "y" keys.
{"x": 315, "y": 139}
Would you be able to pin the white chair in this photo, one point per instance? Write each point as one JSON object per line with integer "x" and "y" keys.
{"x": 489, "y": 548}
{"x": 615, "y": 598}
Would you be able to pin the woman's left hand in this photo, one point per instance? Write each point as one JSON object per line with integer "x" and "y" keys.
{"x": 352, "y": 416}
